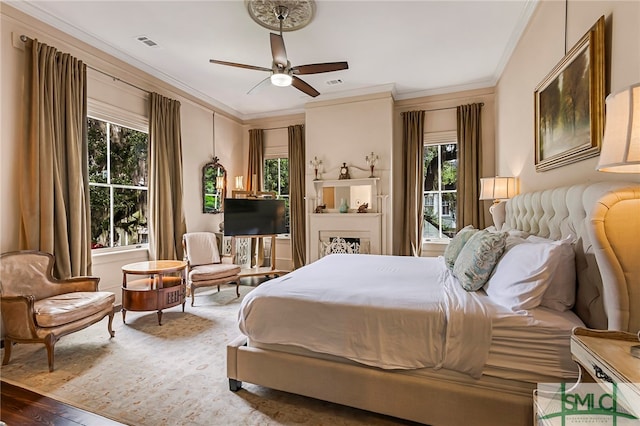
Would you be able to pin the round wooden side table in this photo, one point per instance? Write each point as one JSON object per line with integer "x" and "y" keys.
{"x": 164, "y": 286}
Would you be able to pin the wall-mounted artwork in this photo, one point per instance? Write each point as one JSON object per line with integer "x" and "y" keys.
{"x": 569, "y": 104}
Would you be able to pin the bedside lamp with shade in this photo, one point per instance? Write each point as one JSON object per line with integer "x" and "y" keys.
{"x": 497, "y": 189}
{"x": 620, "y": 151}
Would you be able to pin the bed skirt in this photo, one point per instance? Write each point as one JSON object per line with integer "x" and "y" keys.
{"x": 434, "y": 401}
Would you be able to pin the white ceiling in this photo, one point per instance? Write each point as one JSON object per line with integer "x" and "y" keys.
{"x": 414, "y": 48}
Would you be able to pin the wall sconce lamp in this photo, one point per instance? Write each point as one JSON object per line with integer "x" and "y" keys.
{"x": 497, "y": 189}
{"x": 372, "y": 160}
{"x": 621, "y": 142}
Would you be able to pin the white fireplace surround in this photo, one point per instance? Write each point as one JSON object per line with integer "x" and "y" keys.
{"x": 323, "y": 226}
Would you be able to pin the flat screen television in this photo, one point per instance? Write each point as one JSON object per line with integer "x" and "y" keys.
{"x": 246, "y": 216}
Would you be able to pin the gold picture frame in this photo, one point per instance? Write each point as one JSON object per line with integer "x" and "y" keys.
{"x": 569, "y": 104}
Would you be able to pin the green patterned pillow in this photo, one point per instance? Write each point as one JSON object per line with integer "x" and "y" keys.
{"x": 455, "y": 245}
{"x": 478, "y": 258}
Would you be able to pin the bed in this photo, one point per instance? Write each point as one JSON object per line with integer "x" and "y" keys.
{"x": 435, "y": 384}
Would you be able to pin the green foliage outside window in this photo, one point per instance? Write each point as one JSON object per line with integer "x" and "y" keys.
{"x": 117, "y": 183}
{"x": 276, "y": 179}
{"x": 440, "y": 183}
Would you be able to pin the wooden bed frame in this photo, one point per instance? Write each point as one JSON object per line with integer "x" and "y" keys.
{"x": 605, "y": 219}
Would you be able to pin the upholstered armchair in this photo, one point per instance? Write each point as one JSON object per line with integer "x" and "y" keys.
{"x": 206, "y": 268}
{"x": 38, "y": 308}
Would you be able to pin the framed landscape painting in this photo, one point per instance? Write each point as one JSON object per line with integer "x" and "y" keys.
{"x": 569, "y": 104}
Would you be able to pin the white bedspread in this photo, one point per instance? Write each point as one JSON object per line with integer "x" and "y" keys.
{"x": 392, "y": 312}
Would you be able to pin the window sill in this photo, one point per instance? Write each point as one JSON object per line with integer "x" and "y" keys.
{"x": 116, "y": 254}
{"x": 442, "y": 241}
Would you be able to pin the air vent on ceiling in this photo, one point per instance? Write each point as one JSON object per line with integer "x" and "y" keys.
{"x": 146, "y": 40}
{"x": 334, "y": 82}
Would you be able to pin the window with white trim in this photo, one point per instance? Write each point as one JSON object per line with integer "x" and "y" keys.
{"x": 118, "y": 173}
{"x": 276, "y": 179}
{"x": 440, "y": 186}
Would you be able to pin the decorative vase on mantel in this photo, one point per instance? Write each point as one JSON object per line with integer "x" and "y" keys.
{"x": 343, "y": 206}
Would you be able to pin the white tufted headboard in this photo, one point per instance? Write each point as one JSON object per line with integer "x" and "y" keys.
{"x": 605, "y": 220}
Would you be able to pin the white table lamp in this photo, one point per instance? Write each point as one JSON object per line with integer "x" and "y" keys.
{"x": 621, "y": 143}
{"x": 497, "y": 189}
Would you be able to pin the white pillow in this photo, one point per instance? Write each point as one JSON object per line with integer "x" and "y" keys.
{"x": 561, "y": 294}
{"x": 522, "y": 275}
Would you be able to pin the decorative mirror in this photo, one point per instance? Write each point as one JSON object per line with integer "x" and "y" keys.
{"x": 214, "y": 183}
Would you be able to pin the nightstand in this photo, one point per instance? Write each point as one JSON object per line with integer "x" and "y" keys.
{"x": 606, "y": 357}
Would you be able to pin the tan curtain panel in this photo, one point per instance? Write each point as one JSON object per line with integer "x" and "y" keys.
{"x": 166, "y": 214}
{"x": 254, "y": 183}
{"x": 53, "y": 177}
{"x": 256, "y": 160}
{"x": 412, "y": 177}
{"x": 468, "y": 209}
{"x": 297, "y": 213}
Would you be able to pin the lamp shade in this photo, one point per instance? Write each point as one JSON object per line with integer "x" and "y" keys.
{"x": 620, "y": 151}
{"x": 497, "y": 188}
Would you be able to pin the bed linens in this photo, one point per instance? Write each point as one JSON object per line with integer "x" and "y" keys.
{"x": 392, "y": 312}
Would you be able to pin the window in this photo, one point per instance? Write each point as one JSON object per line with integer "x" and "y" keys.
{"x": 276, "y": 179}
{"x": 117, "y": 184}
{"x": 440, "y": 183}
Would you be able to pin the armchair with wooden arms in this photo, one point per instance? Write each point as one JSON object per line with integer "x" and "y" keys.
{"x": 38, "y": 308}
{"x": 206, "y": 268}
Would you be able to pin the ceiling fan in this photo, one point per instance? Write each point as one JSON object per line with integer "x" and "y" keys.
{"x": 282, "y": 73}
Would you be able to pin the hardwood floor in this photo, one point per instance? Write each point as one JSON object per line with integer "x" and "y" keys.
{"x": 19, "y": 406}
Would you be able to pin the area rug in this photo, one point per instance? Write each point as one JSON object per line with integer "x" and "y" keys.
{"x": 173, "y": 374}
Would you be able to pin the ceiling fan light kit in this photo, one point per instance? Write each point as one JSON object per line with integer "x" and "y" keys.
{"x": 289, "y": 15}
{"x": 281, "y": 80}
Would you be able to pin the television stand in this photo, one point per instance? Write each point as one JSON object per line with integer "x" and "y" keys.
{"x": 259, "y": 271}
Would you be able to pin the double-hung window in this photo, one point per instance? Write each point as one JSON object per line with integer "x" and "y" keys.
{"x": 276, "y": 179}
{"x": 118, "y": 173}
{"x": 440, "y": 185}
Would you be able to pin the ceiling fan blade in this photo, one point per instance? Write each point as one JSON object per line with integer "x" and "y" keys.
{"x": 278, "y": 51}
{"x": 318, "y": 68}
{"x": 304, "y": 87}
{"x": 258, "y": 85}
{"x": 234, "y": 64}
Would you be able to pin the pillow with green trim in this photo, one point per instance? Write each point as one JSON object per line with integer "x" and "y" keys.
{"x": 455, "y": 245}
{"x": 478, "y": 258}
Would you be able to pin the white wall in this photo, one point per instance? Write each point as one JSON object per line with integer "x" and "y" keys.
{"x": 539, "y": 50}
{"x": 196, "y": 117}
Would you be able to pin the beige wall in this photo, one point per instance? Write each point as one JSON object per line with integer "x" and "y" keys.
{"x": 109, "y": 94}
{"x": 346, "y": 131}
{"x": 539, "y": 50}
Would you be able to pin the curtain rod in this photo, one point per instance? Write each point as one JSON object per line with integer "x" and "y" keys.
{"x": 275, "y": 128}
{"x": 443, "y": 109}
{"x": 25, "y": 38}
